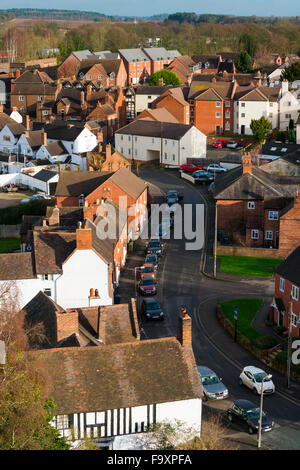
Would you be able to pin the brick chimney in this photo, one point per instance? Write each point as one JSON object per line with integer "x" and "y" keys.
{"x": 27, "y": 122}
{"x": 247, "y": 163}
{"x": 88, "y": 212}
{"x": 82, "y": 99}
{"x": 89, "y": 90}
{"x": 1, "y": 108}
{"x": 160, "y": 82}
{"x": 54, "y": 217}
{"x": 284, "y": 87}
{"x": 66, "y": 324}
{"x": 108, "y": 152}
{"x": 184, "y": 328}
{"x": 44, "y": 139}
{"x": 83, "y": 238}
{"x": 17, "y": 73}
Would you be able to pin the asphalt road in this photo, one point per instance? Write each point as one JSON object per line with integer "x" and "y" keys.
{"x": 180, "y": 282}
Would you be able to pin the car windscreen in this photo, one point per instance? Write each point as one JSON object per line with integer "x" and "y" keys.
{"x": 254, "y": 413}
{"x": 147, "y": 269}
{"x": 153, "y": 306}
{"x": 147, "y": 282}
{"x": 210, "y": 380}
{"x": 154, "y": 244}
{"x": 258, "y": 377}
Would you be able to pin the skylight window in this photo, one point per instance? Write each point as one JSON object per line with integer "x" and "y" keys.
{"x": 284, "y": 149}
{"x": 273, "y": 149}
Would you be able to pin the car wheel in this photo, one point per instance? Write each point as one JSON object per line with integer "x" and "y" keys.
{"x": 205, "y": 397}
{"x": 230, "y": 417}
{"x": 250, "y": 430}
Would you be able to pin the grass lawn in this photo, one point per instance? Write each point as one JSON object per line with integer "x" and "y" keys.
{"x": 248, "y": 266}
{"x": 247, "y": 310}
{"x": 7, "y": 245}
{"x": 16, "y": 195}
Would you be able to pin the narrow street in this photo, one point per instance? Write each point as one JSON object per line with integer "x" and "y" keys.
{"x": 181, "y": 282}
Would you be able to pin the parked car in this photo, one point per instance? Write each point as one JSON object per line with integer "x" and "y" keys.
{"x": 213, "y": 386}
{"x": 190, "y": 167}
{"x": 203, "y": 176}
{"x": 147, "y": 286}
{"x": 232, "y": 144}
{"x": 155, "y": 247}
{"x": 147, "y": 270}
{"x": 152, "y": 259}
{"x": 219, "y": 144}
{"x": 246, "y": 413}
{"x": 34, "y": 197}
{"x": 216, "y": 168}
{"x": 252, "y": 377}
{"x": 151, "y": 309}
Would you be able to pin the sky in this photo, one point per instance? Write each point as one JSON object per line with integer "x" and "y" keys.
{"x": 149, "y": 8}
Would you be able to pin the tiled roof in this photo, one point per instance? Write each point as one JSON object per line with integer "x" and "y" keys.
{"x": 51, "y": 248}
{"x": 15, "y": 266}
{"x": 56, "y": 148}
{"x": 44, "y": 175}
{"x": 129, "y": 182}
{"x": 134, "y": 55}
{"x": 289, "y": 268}
{"x": 120, "y": 376}
{"x": 73, "y": 183}
{"x": 165, "y": 130}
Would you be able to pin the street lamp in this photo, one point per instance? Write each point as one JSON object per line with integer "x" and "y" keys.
{"x": 269, "y": 376}
{"x": 235, "y": 313}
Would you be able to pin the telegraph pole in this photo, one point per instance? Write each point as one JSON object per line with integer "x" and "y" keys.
{"x": 289, "y": 342}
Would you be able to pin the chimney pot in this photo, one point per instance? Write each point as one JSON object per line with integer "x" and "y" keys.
{"x": 184, "y": 328}
{"x": 83, "y": 238}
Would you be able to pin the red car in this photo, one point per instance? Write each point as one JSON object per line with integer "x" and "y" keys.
{"x": 219, "y": 144}
{"x": 147, "y": 286}
{"x": 190, "y": 167}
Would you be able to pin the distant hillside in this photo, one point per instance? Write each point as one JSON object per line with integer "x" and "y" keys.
{"x": 188, "y": 17}
{"x": 53, "y": 14}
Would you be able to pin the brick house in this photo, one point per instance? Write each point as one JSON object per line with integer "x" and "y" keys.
{"x": 184, "y": 67}
{"x": 137, "y": 65}
{"x": 211, "y": 105}
{"x": 285, "y": 306}
{"x": 110, "y": 72}
{"x": 256, "y": 202}
{"x": 160, "y": 57}
{"x": 71, "y": 64}
{"x": 174, "y": 101}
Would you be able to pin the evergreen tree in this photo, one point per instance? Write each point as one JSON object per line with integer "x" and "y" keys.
{"x": 169, "y": 77}
{"x": 260, "y": 129}
{"x": 244, "y": 63}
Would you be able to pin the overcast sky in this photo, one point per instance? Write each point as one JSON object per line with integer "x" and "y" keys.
{"x": 148, "y": 8}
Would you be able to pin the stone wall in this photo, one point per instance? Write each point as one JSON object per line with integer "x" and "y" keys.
{"x": 246, "y": 251}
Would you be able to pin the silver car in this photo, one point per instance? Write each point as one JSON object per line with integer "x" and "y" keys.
{"x": 213, "y": 387}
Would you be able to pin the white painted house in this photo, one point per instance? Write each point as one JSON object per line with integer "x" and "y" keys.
{"x": 65, "y": 264}
{"x": 113, "y": 392}
{"x": 169, "y": 144}
{"x": 289, "y": 106}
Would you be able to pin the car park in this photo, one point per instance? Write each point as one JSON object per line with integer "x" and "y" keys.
{"x": 252, "y": 377}
{"x": 232, "y": 144}
{"x": 246, "y": 414}
{"x": 154, "y": 247}
{"x": 203, "y": 176}
{"x": 151, "y": 309}
{"x": 147, "y": 270}
{"x": 219, "y": 144}
{"x": 190, "y": 167}
{"x": 152, "y": 259}
{"x": 213, "y": 387}
{"x": 216, "y": 168}
{"x": 147, "y": 286}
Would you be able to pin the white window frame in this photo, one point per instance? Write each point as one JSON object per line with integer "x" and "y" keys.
{"x": 272, "y": 216}
{"x": 254, "y": 232}
{"x": 269, "y": 235}
{"x": 21, "y": 98}
{"x": 251, "y": 205}
{"x": 281, "y": 284}
{"x": 295, "y": 292}
{"x": 294, "y": 320}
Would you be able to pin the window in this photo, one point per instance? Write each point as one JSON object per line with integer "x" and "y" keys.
{"x": 44, "y": 112}
{"x": 269, "y": 235}
{"x": 288, "y": 103}
{"x": 99, "y": 77}
{"x": 281, "y": 284}
{"x": 243, "y": 105}
{"x": 273, "y": 215}
{"x": 218, "y": 104}
{"x": 121, "y": 137}
{"x": 166, "y": 142}
{"x": 6, "y": 138}
{"x": 173, "y": 157}
{"x": 152, "y": 141}
{"x": 218, "y": 115}
{"x": 135, "y": 139}
{"x": 251, "y": 205}
{"x": 227, "y": 126}
{"x": 255, "y": 234}
{"x": 21, "y": 98}
{"x": 295, "y": 292}
{"x": 227, "y": 104}
{"x": 243, "y": 115}
{"x": 270, "y": 115}
{"x": 129, "y": 152}
{"x": 40, "y": 98}
{"x": 149, "y": 97}
{"x": 294, "y": 319}
{"x": 271, "y": 105}
{"x": 47, "y": 292}
{"x": 129, "y": 138}
{"x": 62, "y": 422}
{"x": 288, "y": 116}
{"x": 227, "y": 114}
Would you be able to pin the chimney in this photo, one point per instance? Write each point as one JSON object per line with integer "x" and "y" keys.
{"x": 184, "y": 328}
{"x": 247, "y": 163}
{"x": 1, "y": 108}
{"x": 17, "y": 73}
{"x": 108, "y": 152}
{"x": 54, "y": 217}
{"x": 14, "y": 109}
{"x": 160, "y": 82}
{"x": 66, "y": 324}
{"x": 82, "y": 100}
{"x": 89, "y": 90}
{"x": 26, "y": 133}
{"x": 27, "y": 122}
{"x": 284, "y": 87}
{"x": 88, "y": 213}
{"x": 44, "y": 138}
{"x": 83, "y": 238}
{"x": 59, "y": 87}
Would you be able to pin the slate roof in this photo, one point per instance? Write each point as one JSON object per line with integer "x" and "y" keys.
{"x": 289, "y": 268}
{"x": 73, "y": 183}
{"x": 134, "y": 55}
{"x": 15, "y": 266}
{"x": 152, "y": 89}
{"x": 80, "y": 55}
{"x": 164, "y": 130}
{"x": 5, "y": 119}
{"x": 120, "y": 375}
{"x": 56, "y": 148}
{"x": 44, "y": 175}
{"x": 16, "y": 128}
{"x": 280, "y": 149}
{"x": 160, "y": 53}
{"x": 33, "y": 89}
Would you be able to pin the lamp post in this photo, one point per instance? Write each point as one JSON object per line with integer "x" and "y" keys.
{"x": 235, "y": 313}
{"x": 289, "y": 341}
{"x": 269, "y": 376}
{"x": 216, "y": 240}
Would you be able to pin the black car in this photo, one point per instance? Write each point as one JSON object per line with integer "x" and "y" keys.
{"x": 151, "y": 309}
{"x": 152, "y": 258}
{"x": 246, "y": 413}
{"x": 154, "y": 247}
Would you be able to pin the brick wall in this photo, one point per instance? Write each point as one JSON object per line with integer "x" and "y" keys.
{"x": 205, "y": 116}
{"x": 285, "y": 296}
{"x": 66, "y": 324}
{"x": 289, "y": 233}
